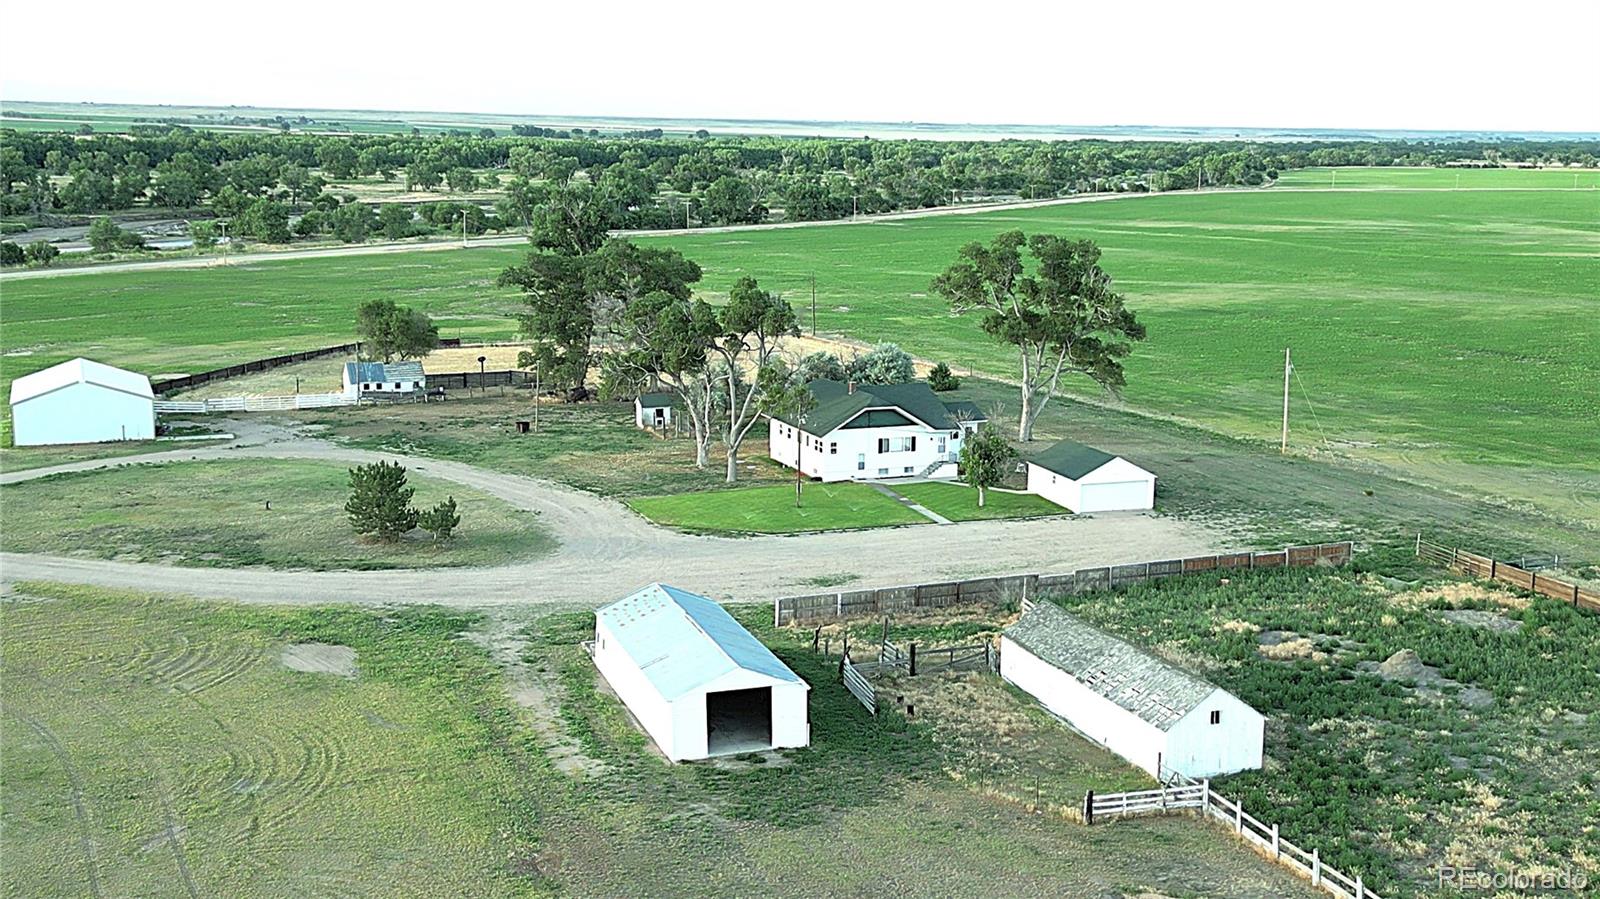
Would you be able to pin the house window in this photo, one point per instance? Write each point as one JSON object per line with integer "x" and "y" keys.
{"x": 861, "y": 461}
{"x": 377, "y": 387}
{"x": 1216, "y": 717}
{"x": 883, "y": 471}
{"x": 833, "y": 449}
{"x": 397, "y": 385}
{"x": 908, "y": 469}
{"x": 416, "y": 383}
{"x": 911, "y": 444}
{"x": 883, "y": 444}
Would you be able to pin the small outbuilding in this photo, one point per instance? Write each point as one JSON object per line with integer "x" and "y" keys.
{"x": 697, "y": 682}
{"x": 653, "y": 411}
{"x": 1152, "y": 713}
{"x": 81, "y": 401}
{"x": 1084, "y": 479}
{"x": 385, "y": 379}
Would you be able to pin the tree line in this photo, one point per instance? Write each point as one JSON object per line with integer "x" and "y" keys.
{"x": 654, "y": 181}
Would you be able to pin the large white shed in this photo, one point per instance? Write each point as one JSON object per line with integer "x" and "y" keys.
{"x": 1157, "y": 716}
{"x": 81, "y": 401}
{"x": 1084, "y": 479}
{"x": 699, "y": 683}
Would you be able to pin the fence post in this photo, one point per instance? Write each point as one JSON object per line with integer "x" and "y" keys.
{"x": 1277, "y": 853}
{"x": 1238, "y": 815}
{"x": 1088, "y": 807}
{"x": 1361, "y": 889}
{"x": 913, "y": 660}
{"x": 1493, "y": 567}
{"x": 1419, "y": 543}
{"x": 1316, "y": 867}
{"x": 838, "y": 605}
{"x": 1205, "y": 798}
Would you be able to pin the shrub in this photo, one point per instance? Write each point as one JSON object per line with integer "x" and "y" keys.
{"x": 10, "y": 253}
{"x": 941, "y": 378}
{"x": 885, "y": 363}
{"x": 823, "y": 365}
{"x": 441, "y": 520}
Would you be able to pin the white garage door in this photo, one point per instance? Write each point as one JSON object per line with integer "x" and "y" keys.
{"x": 1114, "y": 497}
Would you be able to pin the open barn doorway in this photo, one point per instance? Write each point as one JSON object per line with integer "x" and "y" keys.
{"x": 739, "y": 721}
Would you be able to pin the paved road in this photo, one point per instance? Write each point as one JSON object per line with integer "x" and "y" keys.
{"x": 607, "y": 550}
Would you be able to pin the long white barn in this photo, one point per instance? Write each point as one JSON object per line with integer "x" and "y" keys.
{"x": 868, "y": 431}
{"x": 1157, "y": 716}
{"x": 699, "y": 683}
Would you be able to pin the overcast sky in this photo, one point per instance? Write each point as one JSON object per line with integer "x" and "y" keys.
{"x": 1355, "y": 64}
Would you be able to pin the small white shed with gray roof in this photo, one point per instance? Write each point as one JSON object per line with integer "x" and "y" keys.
{"x": 1152, "y": 713}
{"x": 698, "y": 683}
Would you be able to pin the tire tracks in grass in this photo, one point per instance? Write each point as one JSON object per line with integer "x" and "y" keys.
{"x": 80, "y": 805}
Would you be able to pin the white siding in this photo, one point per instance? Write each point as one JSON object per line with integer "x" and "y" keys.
{"x": 1198, "y": 748}
{"x": 1117, "y": 486}
{"x": 83, "y": 412}
{"x": 645, "y": 416}
{"x": 654, "y": 713}
{"x": 847, "y": 454}
{"x": 1098, "y": 718}
{"x": 791, "y": 715}
{"x": 1059, "y": 489}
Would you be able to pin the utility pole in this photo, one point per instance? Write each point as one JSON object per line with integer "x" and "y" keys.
{"x": 813, "y": 304}
{"x": 224, "y": 224}
{"x": 536, "y": 371}
{"x": 800, "y": 421}
{"x": 686, "y": 202}
{"x": 463, "y": 228}
{"x": 1288, "y": 367}
{"x": 855, "y": 201}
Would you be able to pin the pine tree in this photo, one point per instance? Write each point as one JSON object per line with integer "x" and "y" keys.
{"x": 380, "y": 501}
{"x": 441, "y": 520}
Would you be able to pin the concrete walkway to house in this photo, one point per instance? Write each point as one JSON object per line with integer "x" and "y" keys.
{"x": 906, "y": 501}
{"x": 608, "y": 551}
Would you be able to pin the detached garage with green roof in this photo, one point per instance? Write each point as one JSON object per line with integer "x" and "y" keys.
{"x": 1084, "y": 479}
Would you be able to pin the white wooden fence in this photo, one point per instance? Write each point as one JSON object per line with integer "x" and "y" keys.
{"x": 255, "y": 403}
{"x": 1264, "y": 838}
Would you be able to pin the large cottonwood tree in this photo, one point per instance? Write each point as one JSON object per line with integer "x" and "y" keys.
{"x": 1057, "y": 309}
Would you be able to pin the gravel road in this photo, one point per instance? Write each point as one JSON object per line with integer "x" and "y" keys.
{"x": 606, "y": 550}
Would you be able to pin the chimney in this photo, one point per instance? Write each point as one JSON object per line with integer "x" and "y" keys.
{"x": 850, "y": 386}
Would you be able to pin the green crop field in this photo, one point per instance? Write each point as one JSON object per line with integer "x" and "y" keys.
{"x": 1441, "y": 178}
{"x": 248, "y": 512}
{"x": 1452, "y": 336}
{"x": 159, "y": 746}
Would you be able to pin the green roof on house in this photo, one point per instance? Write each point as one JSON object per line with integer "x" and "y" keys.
{"x": 656, "y": 400}
{"x": 1074, "y": 460}
{"x": 836, "y": 405}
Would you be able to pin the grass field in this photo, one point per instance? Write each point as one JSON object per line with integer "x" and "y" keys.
{"x": 771, "y": 509}
{"x": 1351, "y": 177}
{"x": 959, "y": 502}
{"x": 249, "y": 512}
{"x": 1441, "y": 333}
{"x": 18, "y": 458}
{"x": 159, "y": 746}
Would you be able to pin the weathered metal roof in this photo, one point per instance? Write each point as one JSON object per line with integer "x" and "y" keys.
{"x": 372, "y": 372}
{"x": 1155, "y": 690}
{"x": 1073, "y": 460}
{"x": 683, "y": 641}
{"x": 78, "y": 371}
{"x": 836, "y": 405}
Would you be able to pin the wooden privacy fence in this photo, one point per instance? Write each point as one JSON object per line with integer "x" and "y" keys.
{"x": 254, "y": 403}
{"x": 1474, "y": 565}
{"x": 467, "y": 380}
{"x": 995, "y": 590}
{"x": 1264, "y": 838}
{"x": 185, "y": 382}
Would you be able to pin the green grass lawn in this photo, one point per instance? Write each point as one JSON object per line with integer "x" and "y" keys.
{"x": 959, "y": 502}
{"x": 771, "y": 509}
{"x": 216, "y": 513}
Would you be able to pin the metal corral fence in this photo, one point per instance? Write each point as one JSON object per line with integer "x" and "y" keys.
{"x": 1474, "y": 565}
{"x": 1265, "y": 839}
{"x": 186, "y": 382}
{"x": 858, "y": 685}
{"x": 255, "y": 403}
{"x": 841, "y": 604}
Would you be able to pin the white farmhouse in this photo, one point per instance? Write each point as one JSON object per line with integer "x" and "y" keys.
{"x": 699, "y": 684}
{"x": 383, "y": 379}
{"x": 1085, "y": 479}
{"x": 653, "y": 411}
{"x": 867, "y": 431}
{"x": 81, "y": 401}
{"x": 1157, "y": 716}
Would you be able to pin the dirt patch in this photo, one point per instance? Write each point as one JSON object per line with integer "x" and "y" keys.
{"x": 1426, "y": 682}
{"x": 1291, "y": 649}
{"x": 532, "y": 693}
{"x": 1490, "y": 621}
{"x": 1458, "y": 594}
{"x": 319, "y": 658}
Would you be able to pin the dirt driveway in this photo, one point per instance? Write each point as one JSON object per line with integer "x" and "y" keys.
{"x": 607, "y": 550}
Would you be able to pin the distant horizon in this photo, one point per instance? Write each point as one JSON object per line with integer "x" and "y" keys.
{"x": 646, "y": 119}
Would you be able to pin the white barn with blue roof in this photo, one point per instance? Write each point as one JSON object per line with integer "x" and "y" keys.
{"x": 699, "y": 683}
